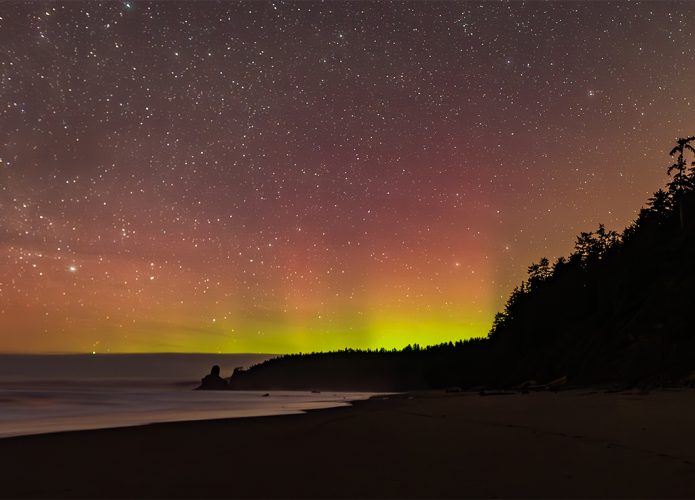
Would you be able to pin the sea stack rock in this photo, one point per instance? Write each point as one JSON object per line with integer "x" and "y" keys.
{"x": 213, "y": 381}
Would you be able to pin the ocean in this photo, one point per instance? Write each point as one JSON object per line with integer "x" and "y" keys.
{"x": 52, "y": 393}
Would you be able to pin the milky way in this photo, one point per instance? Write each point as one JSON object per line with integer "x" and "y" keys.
{"x": 279, "y": 177}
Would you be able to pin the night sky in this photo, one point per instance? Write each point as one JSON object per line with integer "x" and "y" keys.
{"x": 281, "y": 177}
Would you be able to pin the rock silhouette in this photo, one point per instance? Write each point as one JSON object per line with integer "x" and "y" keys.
{"x": 213, "y": 381}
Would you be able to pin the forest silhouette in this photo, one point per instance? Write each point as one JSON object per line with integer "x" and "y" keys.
{"x": 618, "y": 310}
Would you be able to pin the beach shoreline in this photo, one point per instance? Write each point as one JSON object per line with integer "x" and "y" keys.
{"x": 34, "y": 410}
{"x": 579, "y": 443}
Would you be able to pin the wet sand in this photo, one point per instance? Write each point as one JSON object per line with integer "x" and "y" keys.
{"x": 568, "y": 444}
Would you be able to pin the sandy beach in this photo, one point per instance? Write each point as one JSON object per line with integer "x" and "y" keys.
{"x": 569, "y": 444}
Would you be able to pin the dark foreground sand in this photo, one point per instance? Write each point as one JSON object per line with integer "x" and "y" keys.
{"x": 567, "y": 444}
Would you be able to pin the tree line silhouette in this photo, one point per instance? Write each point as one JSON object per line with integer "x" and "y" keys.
{"x": 619, "y": 308}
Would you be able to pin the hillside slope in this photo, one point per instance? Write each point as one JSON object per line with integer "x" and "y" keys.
{"x": 619, "y": 309}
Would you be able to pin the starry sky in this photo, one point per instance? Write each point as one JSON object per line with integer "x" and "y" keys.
{"x": 281, "y": 177}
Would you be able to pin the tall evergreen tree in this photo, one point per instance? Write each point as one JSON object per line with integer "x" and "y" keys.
{"x": 681, "y": 182}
